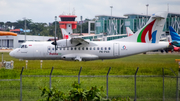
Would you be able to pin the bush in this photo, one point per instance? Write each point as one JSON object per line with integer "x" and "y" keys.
{"x": 76, "y": 94}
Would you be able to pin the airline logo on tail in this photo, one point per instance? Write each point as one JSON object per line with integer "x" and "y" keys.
{"x": 65, "y": 34}
{"x": 147, "y": 30}
{"x": 66, "y": 37}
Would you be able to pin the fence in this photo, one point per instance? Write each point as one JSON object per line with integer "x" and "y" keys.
{"x": 136, "y": 87}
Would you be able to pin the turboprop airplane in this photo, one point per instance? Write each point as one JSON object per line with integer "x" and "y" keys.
{"x": 146, "y": 39}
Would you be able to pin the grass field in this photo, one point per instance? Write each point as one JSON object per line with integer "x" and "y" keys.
{"x": 149, "y": 64}
{"x": 148, "y": 88}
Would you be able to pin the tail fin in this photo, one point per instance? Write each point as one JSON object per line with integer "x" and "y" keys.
{"x": 129, "y": 31}
{"x": 65, "y": 34}
{"x": 151, "y": 32}
{"x": 174, "y": 35}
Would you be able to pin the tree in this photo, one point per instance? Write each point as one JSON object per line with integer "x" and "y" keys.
{"x": 20, "y": 23}
{"x": 1, "y": 23}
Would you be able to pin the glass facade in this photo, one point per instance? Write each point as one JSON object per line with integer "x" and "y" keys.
{"x": 117, "y": 25}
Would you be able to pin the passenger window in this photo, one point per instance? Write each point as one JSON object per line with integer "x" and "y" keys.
{"x": 105, "y": 48}
{"x": 109, "y": 48}
{"x": 98, "y": 48}
{"x": 90, "y": 48}
{"x": 101, "y": 48}
{"x": 49, "y": 48}
{"x": 94, "y": 48}
{"x": 52, "y": 48}
{"x": 74, "y": 48}
{"x": 67, "y": 48}
{"x": 79, "y": 48}
{"x": 59, "y": 48}
{"x": 82, "y": 48}
{"x": 86, "y": 48}
{"x": 71, "y": 48}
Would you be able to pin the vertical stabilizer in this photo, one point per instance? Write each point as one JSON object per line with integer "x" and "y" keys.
{"x": 129, "y": 31}
{"x": 174, "y": 35}
{"x": 151, "y": 32}
{"x": 65, "y": 34}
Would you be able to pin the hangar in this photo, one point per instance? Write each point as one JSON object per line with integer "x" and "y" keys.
{"x": 11, "y": 42}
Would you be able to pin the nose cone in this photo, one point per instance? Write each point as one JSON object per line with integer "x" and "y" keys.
{"x": 11, "y": 53}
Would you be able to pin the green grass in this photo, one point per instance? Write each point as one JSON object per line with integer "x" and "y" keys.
{"x": 149, "y": 89}
{"x": 148, "y": 65}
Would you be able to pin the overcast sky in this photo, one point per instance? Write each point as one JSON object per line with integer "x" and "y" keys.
{"x": 46, "y": 10}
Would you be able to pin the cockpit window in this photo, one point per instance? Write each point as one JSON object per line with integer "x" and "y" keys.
{"x": 24, "y": 46}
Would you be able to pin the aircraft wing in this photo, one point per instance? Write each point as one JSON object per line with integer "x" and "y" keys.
{"x": 79, "y": 40}
{"x": 73, "y": 42}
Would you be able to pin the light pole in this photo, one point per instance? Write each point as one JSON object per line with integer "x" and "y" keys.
{"x": 25, "y": 27}
{"x": 111, "y": 11}
{"x": 103, "y": 25}
{"x": 147, "y": 8}
{"x": 81, "y": 25}
{"x": 111, "y": 19}
{"x": 55, "y": 26}
{"x": 55, "y": 33}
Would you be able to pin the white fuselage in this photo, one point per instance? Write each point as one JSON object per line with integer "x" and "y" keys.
{"x": 92, "y": 51}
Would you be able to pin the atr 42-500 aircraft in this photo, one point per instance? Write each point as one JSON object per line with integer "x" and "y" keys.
{"x": 146, "y": 39}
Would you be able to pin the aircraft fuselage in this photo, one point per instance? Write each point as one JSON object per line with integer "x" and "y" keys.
{"x": 93, "y": 51}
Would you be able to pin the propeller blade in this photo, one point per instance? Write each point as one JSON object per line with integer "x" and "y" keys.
{"x": 55, "y": 34}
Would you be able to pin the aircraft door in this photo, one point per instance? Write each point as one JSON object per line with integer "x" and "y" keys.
{"x": 116, "y": 49}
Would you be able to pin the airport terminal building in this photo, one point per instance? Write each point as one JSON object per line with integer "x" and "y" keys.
{"x": 116, "y": 26}
{"x": 11, "y": 42}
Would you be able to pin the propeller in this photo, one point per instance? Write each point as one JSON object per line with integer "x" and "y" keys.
{"x": 55, "y": 43}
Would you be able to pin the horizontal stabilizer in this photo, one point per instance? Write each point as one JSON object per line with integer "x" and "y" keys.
{"x": 156, "y": 17}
